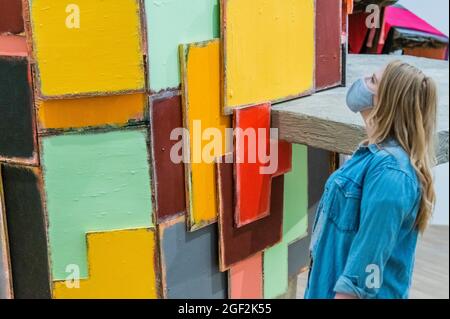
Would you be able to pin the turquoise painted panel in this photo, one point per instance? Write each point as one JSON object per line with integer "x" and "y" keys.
{"x": 295, "y": 224}
{"x": 93, "y": 182}
{"x": 171, "y": 23}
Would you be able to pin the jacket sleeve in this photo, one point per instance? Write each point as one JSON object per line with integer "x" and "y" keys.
{"x": 388, "y": 198}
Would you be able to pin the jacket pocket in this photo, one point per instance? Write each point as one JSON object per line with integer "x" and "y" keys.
{"x": 344, "y": 210}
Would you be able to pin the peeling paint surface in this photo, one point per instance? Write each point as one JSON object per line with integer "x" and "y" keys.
{"x": 122, "y": 265}
{"x": 170, "y": 23}
{"x": 93, "y": 182}
{"x": 17, "y": 129}
{"x": 295, "y": 224}
{"x": 26, "y": 221}
{"x": 168, "y": 177}
{"x": 189, "y": 262}
{"x": 246, "y": 279}
{"x": 5, "y": 264}
{"x": 252, "y": 186}
{"x": 201, "y": 109}
{"x": 269, "y": 50}
{"x": 103, "y": 55}
{"x": 119, "y": 110}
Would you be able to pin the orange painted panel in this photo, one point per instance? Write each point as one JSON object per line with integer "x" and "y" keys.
{"x": 430, "y": 53}
{"x": 117, "y": 110}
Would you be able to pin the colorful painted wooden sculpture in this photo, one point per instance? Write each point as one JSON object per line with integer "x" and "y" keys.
{"x": 104, "y": 106}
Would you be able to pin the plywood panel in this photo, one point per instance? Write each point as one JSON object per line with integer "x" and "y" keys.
{"x": 11, "y": 20}
{"x": 295, "y": 222}
{"x": 111, "y": 111}
{"x": 122, "y": 265}
{"x": 26, "y": 223}
{"x": 6, "y": 289}
{"x": 206, "y": 126}
{"x": 268, "y": 50}
{"x": 252, "y": 142}
{"x": 246, "y": 279}
{"x": 93, "y": 182}
{"x": 169, "y": 180}
{"x": 196, "y": 252}
{"x": 238, "y": 244}
{"x": 17, "y": 129}
{"x": 328, "y": 43}
{"x": 103, "y": 55}
{"x": 170, "y": 23}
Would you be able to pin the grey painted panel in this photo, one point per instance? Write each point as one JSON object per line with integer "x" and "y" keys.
{"x": 191, "y": 263}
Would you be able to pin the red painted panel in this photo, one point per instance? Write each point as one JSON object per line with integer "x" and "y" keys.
{"x": 284, "y": 158}
{"x": 168, "y": 177}
{"x": 252, "y": 139}
{"x": 328, "y": 44}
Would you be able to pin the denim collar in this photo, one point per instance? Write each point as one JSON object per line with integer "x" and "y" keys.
{"x": 375, "y": 148}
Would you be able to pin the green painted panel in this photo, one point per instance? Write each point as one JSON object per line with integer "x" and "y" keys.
{"x": 295, "y": 224}
{"x": 174, "y": 22}
{"x": 93, "y": 182}
{"x": 275, "y": 271}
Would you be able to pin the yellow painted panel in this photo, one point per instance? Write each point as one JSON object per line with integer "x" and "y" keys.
{"x": 269, "y": 50}
{"x": 201, "y": 102}
{"x": 91, "y": 112}
{"x": 101, "y": 54}
{"x": 121, "y": 266}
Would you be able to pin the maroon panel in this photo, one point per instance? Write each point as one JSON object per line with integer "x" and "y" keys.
{"x": 328, "y": 44}
{"x": 357, "y": 32}
{"x": 237, "y": 244}
{"x": 168, "y": 177}
{"x": 11, "y": 20}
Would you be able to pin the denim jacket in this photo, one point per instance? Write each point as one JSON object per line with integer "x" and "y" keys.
{"x": 364, "y": 237}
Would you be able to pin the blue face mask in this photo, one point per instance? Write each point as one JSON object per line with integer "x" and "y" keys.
{"x": 360, "y": 97}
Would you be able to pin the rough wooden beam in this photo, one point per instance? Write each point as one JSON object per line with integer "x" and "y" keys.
{"x": 324, "y": 121}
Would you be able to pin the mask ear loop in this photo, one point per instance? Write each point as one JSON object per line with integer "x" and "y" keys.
{"x": 367, "y": 88}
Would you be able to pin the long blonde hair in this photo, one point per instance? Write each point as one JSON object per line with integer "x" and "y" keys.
{"x": 406, "y": 110}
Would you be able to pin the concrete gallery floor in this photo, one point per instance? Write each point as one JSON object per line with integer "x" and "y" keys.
{"x": 431, "y": 275}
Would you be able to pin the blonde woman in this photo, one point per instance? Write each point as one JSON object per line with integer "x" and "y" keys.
{"x": 374, "y": 207}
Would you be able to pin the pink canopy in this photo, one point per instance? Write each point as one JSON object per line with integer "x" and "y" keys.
{"x": 397, "y": 16}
